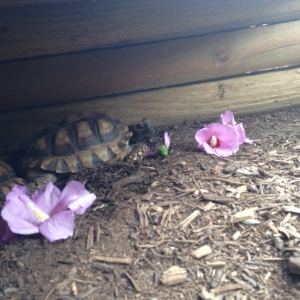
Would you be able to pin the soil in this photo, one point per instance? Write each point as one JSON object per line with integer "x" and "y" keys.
{"x": 150, "y": 217}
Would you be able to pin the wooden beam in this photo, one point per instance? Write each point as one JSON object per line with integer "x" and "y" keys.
{"x": 76, "y": 26}
{"x": 9, "y": 4}
{"x": 260, "y": 93}
{"x": 71, "y": 77}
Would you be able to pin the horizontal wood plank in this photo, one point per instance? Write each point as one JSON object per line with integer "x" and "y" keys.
{"x": 76, "y": 26}
{"x": 248, "y": 94}
{"x": 85, "y": 75}
{"x": 9, "y": 4}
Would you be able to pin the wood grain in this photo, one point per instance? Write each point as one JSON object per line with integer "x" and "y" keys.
{"x": 76, "y": 26}
{"x": 9, "y": 4}
{"x": 265, "y": 92}
{"x": 86, "y": 75}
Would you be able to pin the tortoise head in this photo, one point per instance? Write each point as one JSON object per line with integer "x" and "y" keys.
{"x": 141, "y": 131}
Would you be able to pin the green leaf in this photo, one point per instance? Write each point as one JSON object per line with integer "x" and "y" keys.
{"x": 163, "y": 150}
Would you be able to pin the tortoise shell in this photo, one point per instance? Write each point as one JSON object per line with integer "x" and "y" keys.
{"x": 77, "y": 142}
{"x": 8, "y": 179}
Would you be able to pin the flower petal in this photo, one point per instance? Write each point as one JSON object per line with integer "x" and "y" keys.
{"x": 239, "y": 128}
{"x": 17, "y": 190}
{"x": 167, "y": 139}
{"x": 79, "y": 207}
{"x": 75, "y": 197}
{"x": 18, "y": 215}
{"x": 59, "y": 226}
{"x": 208, "y": 149}
{"x": 227, "y": 118}
{"x": 248, "y": 141}
{"x": 5, "y": 233}
{"x": 241, "y": 132}
{"x": 227, "y": 150}
{"x": 47, "y": 198}
{"x": 149, "y": 152}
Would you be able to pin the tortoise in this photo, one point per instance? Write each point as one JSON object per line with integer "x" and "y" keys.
{"x": 82, "y": 141}
{"x": 8, "y": 179}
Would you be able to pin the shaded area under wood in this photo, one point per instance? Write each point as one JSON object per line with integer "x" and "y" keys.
{"x": 258, "y": 93}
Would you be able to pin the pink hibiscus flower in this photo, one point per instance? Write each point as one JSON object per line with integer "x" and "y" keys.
{"x": 217, "y": 139}
{"x": 48, "y": 211}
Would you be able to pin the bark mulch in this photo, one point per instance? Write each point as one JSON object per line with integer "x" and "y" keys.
{"x": 187, "y": 226}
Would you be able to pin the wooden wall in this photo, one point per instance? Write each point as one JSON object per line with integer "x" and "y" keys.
{"x": 168, "y": 60}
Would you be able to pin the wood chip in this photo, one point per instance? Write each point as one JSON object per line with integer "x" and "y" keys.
{"x": 147, "y": 197}
{"x": 234, "y": 182}
{"x": 250, "y": 222}
{"x": 88, "y": 293}
{"x": 209, "y": 206}
{"x": 90, "y": 238}
{"x": 216, "y": 198}
{"x": 202, "y": 251}
{"x": 196, "y": 193}
{"x": 135, "y": 285}
{"x": 74, "y": 290}
{"x": 154, "y": 184}
{"x": 267, "y": 276}
{"x": 243, "y": 215}
{"x": 227, "y": 288}
{"x": 241, "y": 189}
{"x": 137, "y": 177}
{"x": 236, "y": 235}
{"x": 284, "y": 233}
{"x": 294, "y": 265}
{"x": 291, "y": 209}
{"x": 205, "y": 295}
{"x": 249, "y": 279}
{"x": 102, "y": 267}
{"x": 115, "y": 260}
{"x": 274, "y": 258}
{"x": 98, "y": 233}
{"x": 272, "y": 226}
{"x": 279, "y": 243}
{"x": 174, "y": 275}
{"x": 248, "y": 171}
{"x": 216, "y": 280}
{"x": 142, "y": 210}
{"x": 188, "y": 220}
{"x": 216, "y": 264}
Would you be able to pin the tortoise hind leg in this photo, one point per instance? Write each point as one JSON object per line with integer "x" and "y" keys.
{"x": 38, "y": 178}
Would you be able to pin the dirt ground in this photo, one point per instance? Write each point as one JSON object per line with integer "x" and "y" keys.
{"x": 151, "y": 217}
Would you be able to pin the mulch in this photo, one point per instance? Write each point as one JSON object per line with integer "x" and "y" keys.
{"x": 185, "y": 226}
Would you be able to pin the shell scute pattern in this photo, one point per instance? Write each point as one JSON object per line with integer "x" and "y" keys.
{"x": 77, "y": 142}
{"x": 42, "y": 147}
{"x": 8, "y": 179}
{"x": 86, "y": 135}
{"x": 63, "y": 142}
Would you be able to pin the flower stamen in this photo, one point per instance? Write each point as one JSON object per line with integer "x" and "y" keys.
{"x": 213, "y": 142}
{"x": 41, "y": 216}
